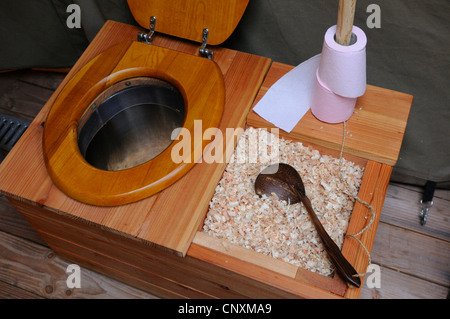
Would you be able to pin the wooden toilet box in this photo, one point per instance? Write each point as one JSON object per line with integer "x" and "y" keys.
{"x": 156, "y": 243}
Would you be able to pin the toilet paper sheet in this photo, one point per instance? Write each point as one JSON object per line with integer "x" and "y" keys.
{"x": 285, "y": 103}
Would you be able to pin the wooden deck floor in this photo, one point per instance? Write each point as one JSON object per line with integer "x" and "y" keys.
{"x": 414, "y": 259}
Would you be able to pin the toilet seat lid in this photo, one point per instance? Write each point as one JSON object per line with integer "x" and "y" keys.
{"x": 187, "y": 18}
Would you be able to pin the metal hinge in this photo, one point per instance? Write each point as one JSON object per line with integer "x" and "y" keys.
{"x": 147, "y": 37}
{"x": 207, "y": 53}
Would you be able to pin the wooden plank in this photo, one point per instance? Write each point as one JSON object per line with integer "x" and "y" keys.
{"x": 438, "y": 193}
{"x": 24, "y": 100}
{"x": 413, "y": 253}
{"x": 7, "y": 80}
{"x": 398, "y": 285}
{"x": 139, "y": 277}
{"x": 244, "y": 254}
{"x": 38, "y": 270}
{"x": 23, "y": 93}
{"x": 8, "y": 291}
{"x": 47, "y": 80}
{"x": 290, "y": 286}
{"x": 442, "y": 193}
{"x": 402, "y": 209}
{"x": 375, "y": 130}
{"x": 251, "y": 258}
{"x": 373, "y": 191}
{"x": 12, "y": 222}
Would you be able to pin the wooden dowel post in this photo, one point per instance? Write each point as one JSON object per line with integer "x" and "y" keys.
{"x": 346, "y": 15}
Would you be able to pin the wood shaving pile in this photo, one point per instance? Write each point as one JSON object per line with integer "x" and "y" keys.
{"x": 276, "y": 228}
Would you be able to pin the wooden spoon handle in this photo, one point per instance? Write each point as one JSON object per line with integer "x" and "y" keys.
{"x": 343, "y": 267}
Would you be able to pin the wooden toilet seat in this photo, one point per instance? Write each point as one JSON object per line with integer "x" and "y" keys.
{"x": 199, "y": 80}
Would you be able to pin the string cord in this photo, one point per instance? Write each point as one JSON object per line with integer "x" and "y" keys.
{"x": 367, "y": 205}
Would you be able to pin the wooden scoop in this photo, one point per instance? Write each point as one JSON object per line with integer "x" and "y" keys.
{"x": 284, "y": 181}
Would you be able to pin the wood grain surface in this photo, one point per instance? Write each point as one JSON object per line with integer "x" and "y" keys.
{"x": 375, "y": 131}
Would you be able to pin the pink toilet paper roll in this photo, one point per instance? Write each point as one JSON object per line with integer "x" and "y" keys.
{"x": 329, "y": 107}
{"x": 343, "y": 68}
